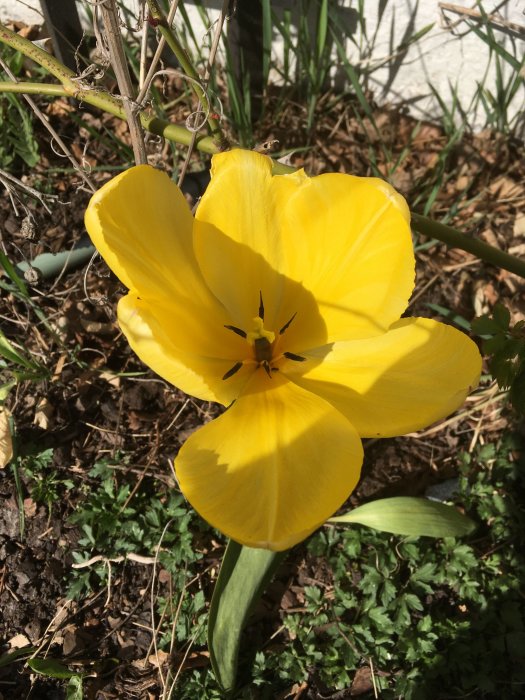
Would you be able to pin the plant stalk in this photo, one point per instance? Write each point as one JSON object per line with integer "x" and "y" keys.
{"x": 97, "y": 97}
{"x": 166, "y": 31}
{"x": 119, "y": 63}
{"x": 455, "y": 239}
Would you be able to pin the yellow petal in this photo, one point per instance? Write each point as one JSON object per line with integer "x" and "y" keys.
{"x": 344, "y": 239}
{"x": 272, "y": 468}
{"x": 173, "y": 342}
{"x": 416, "y": 373}
{"x": 142, "y": 226}
{"x": 237, "y": 242}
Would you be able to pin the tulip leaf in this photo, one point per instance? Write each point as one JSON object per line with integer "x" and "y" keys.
{"x": 50, "y": 667}
{"x": 410, "y": 516}
{"x": 245, "y": 573}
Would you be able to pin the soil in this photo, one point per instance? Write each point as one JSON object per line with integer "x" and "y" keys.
{"x": 83, "y": 412}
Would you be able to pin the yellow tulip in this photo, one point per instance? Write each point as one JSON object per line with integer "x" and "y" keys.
{"x": 281, "y": 299}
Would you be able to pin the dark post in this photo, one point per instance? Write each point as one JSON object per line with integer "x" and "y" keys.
{"x": 63, "y": 24}
{"x": 245, "y": 37}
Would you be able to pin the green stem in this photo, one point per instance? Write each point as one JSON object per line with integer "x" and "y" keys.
{"x": 188, "y": 68}
{"x": 35, "y": 53}
{"x": 106, "y": 102}
{"x": 456, "y": 239}
{"x": 33, "y": 88}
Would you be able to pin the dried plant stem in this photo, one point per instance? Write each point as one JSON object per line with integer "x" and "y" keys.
{"x": 209, "y": 65}
{"x": 109, "y": 12}
{"x": 187, "y": 66}
{"x": 73, "y": 87}
{"x": 216, "y": 39}
{"x": 145, "y": 84}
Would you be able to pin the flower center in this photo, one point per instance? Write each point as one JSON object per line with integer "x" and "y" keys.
{"x": 263, "y": 343}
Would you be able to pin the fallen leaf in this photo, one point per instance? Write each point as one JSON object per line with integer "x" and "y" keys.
{"x": 43, "y": 414}
{"x": 6, "y": 442}
{"x": 158, "y": 659}
{"x": 504, "y": 187}
{"x": 29, "y": 508}
{"x": 111, "y": 378}
{"x": 490, "y": 237}
{"x": 19, "y": 641}
{"x": 362, "y": 682}
{"x": 519, "y": 225}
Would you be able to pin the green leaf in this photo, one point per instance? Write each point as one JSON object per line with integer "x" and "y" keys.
{"x": 74, "y": 688}
{"x": 11, "y": 656}
{"x": 245, "y": 573}
{"x": 50, "y": 667}
{"x": 12, "y": 274}
{"x": 484, "y": 325}
{"x": 501, "y": 316}
{"x": 5, "y": 389}
{"x": 9, "y": 352}
{"x": 410, "y": 516}
{"x": 450, "y": 315}
{"x": 322, "y": 28}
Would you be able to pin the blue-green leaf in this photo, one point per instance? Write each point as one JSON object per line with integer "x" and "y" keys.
{"x": 410, "y": 516}
{"x": 245, "y": 573}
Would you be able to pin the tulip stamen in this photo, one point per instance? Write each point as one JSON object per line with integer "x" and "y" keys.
{"x": 236, "y": 367}
{"x": 261, "y": 306}
{"x": 287, "y": 324}
{"x": 267, "y": 368}
{"x": 239, "y": 331}
{"x": 294, "y": 357}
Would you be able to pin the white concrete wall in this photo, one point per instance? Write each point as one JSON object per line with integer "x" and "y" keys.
{"x": 450, "y": 57}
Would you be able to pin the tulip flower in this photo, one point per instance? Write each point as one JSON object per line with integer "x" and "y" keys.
{"x": 282, "y": 300}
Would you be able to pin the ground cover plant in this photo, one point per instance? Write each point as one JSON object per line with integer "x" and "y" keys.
{"x": 107, "y": 572}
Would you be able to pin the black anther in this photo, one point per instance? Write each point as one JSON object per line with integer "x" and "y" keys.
{"x": 239, "y": 331}
{"x": 294, "y": 357}
{"x": 236, "y": 367}
{"x": 287, "y": 324}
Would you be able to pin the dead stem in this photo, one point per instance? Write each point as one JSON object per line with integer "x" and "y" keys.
{"x": 119, "y": 63}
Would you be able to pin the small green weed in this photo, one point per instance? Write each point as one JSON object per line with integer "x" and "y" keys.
{"x": 115, "y": 521}
{"x": 45, "y": 484}
{"x": 17, "y": 138}
{"x": 505, "y": 346}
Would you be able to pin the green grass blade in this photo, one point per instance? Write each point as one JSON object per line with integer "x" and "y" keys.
{"x": 410, "y": 516}
{"x": 11, "y": 656}
{"x": 10, "y": 353}
{"x": 11, "y": 273}
{"x": 498, "y": 48}
{"x": 322, "y": 28}
{"x": 245, "y": 573}
{"x": 450, "y": 315}
{"x": 267, "y": 40}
